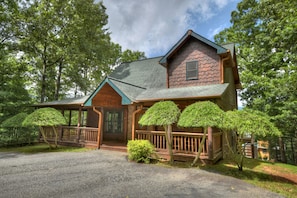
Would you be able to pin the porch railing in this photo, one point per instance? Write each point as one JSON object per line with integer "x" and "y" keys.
{"x": 73, "y": 134}
{"x": 183, "y": 142}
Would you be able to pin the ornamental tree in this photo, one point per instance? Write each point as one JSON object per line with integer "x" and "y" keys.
{"x": 45, "y": 117}
{"x": 201, "y": 114}
{"x": 246, "y": 121}
{"x": 164, "y": 113}
{"x": 15, "y": 131}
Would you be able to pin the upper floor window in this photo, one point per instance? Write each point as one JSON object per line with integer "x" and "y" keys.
{"x": 192, "y": 70}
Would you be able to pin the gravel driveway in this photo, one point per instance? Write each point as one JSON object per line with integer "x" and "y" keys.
{"x": 102, "y": 173}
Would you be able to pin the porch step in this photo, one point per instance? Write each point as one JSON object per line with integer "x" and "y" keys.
{"x": 114, "y": 147}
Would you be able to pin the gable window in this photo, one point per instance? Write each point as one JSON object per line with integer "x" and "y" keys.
{"x": 192, "y": 70}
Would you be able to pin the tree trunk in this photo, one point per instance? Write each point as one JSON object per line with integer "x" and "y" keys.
{"x": 56, "y": 136}
{"x": 201, "y": 145}
{"x": 58, "y": 81}
{"x": 168, "y": 138}
{"x": 44, "y": 137}
{"x": 282, "y": 150}
{"x": 43, "y": 78}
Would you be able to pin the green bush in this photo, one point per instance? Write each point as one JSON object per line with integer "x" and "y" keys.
{"x": 140, "y": 150}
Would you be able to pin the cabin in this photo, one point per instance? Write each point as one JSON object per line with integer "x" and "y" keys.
{"x": 194, "y": 69}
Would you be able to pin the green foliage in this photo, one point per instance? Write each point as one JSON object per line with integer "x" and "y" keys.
{"x": 140, "y": 150}
{"x": 263, "y": 32}
{"x": 15, "y": 121}
{"x": 13, "y": 132}
{"x": 249, "y": 121}
{"x": 160, "y": 114}
{"x": 129, "y": 55}
{"x": 45, "y": 117}
{"x": 201, "y": 114}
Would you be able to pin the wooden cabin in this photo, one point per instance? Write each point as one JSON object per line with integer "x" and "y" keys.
{"x": 194, "y": 69}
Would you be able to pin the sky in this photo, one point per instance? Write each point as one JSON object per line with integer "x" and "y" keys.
{"x": 154, "y": 26}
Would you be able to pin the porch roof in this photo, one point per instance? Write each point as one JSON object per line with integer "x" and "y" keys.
{"x": 69, "y": 102}
{"x": 206, "y": 91}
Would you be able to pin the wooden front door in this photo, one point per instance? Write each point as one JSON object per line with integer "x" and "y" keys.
{"x": 113, "y": 126}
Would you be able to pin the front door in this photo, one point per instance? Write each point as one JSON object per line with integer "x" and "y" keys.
{"x": 113, "y": 127}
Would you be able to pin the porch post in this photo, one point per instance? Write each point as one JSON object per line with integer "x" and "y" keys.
{"x": 100, "y": 119}
{"x": 210, "y": 143}
{"x": 78, "y": 124}
{"x": 133, "y": 121}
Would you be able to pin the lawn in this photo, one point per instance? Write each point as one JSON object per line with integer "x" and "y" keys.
{"x": 41, "y": 148}
{"x": 277, "y": 177}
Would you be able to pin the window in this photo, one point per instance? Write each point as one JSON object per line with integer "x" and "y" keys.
{"x": 113, "y": 121}
{"x": 192, "y": 70}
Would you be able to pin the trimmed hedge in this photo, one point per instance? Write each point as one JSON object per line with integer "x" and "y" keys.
{"x": 140, "y": 150}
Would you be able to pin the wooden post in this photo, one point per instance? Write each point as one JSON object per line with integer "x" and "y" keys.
{"x": 133, "y": 121}
{"x": 100, "y": 121}
{"x": 69, "y": 120}
{"x": 210, "y": 143}
{"x": 78, "y": 125}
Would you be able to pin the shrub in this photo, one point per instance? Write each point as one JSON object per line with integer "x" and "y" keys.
{"x": 140, "y": 150}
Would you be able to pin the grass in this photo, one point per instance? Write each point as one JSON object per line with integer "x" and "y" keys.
{"x": 276, "y": 177}
{"x": 42, "y": 148}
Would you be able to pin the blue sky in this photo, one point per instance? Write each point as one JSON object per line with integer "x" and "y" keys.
{"x": 154, "y": 26}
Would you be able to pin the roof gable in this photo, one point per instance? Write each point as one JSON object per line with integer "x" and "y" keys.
{"x": 184, "y": 39}
{"x": 125, "y": 100}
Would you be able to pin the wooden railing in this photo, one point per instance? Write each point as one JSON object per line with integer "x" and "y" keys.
{"x": 73, "y": 134}
{"x": 183, "y": 142}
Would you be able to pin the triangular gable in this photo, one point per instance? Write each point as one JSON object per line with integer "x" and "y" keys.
{"x": 184, "y": 39}
{"x": 125, "y": 99}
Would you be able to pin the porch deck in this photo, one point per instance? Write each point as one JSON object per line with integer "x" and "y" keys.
{"x": 185, "y": 144}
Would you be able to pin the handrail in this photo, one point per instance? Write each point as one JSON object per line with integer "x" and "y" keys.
{"x": 173, "y": 133}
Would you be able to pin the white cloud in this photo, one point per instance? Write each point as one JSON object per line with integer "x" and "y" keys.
{"x": 213, "y": 31}
{"x": 153, "y": 26}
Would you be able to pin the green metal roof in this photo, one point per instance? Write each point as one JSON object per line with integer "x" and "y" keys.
{"x": 79, "y": 101}
{"x": 190, "y": 33}
{"x": 206, "y": 91}
{"x": 145, "y": 73}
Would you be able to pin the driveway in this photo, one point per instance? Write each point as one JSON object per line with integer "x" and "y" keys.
{"x": 102, "y": 173}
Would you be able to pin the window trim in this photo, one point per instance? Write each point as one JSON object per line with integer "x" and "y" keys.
{"x": 113, "y": 122}
{"x": 188, "y": 76}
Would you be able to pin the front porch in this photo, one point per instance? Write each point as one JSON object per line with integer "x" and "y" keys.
{"x": 185, "y": 144}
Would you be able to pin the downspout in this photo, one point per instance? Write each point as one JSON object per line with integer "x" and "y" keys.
{"x": 133, "y": 121}
{"x": 99, "y": 126}
{"x": 222, "y": 68}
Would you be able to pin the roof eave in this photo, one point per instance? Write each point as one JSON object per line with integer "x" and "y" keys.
{"x": 186, "y": 98}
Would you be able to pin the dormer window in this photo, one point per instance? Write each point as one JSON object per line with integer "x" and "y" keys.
{"x": 192, "y": 70}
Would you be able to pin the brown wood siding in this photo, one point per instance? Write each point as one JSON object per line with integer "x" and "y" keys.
{"x": 107, "y": 97}
{"x": 208, "y": 68}
{"x": 92, "y": 118}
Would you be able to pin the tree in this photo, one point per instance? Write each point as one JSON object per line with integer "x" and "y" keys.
{"x": 164, "y": 113}
{"x": 201, "y": 114}
{"x": 13, "y": 95}
{"x": 66, "y": 45}
{"x": 129, "y": 55}
{"x": 15, "y": 132}
{"x": 247, "y": 121}
{"x": 264, "y": 32}
{"x": 45, "y": 117}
